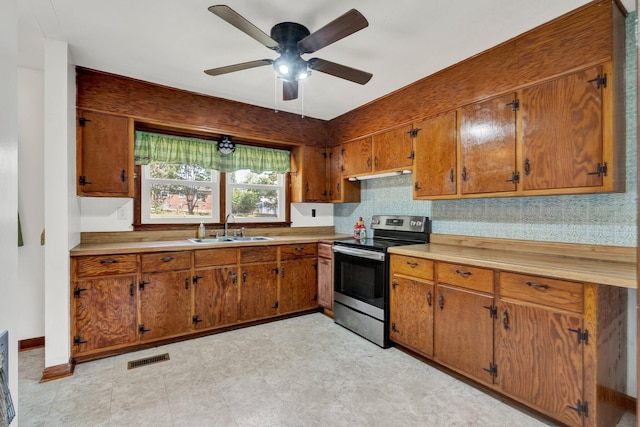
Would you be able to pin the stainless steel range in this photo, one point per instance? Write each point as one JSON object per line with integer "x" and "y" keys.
{"x": 361, "y": 274}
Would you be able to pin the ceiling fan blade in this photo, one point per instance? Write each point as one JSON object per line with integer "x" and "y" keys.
{"x": 289, "y": 90}
{"x": 335, "y": 30}
{"x": 238, "y": 21}
{"x": 337, "y": 70}
{"x": 238, "y": 67}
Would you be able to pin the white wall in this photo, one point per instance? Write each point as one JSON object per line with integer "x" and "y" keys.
{"x": 9, "y": 284}
{"x": 302, "y": 214}
{"x": 31, "y": 201}
{"x": 61, "y": 208}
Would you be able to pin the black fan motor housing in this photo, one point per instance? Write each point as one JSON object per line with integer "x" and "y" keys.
{"x": 288, "y": 34}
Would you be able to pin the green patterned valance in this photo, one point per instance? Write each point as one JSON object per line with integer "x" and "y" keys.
{"x": 154, "y": 147}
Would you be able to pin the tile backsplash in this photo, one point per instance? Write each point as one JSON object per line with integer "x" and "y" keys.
{"x": 603, "y": 219}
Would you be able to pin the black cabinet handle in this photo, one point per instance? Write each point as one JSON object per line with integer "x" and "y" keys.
{"x": 505, "y": 320}
{"x": 429, "y": 298}
{"x": 244, "y": 276}
{"x": 131, "y": 289}
{"x": 463, "y": 273}
{"x": 276, "y": 305}
{"x": 282, "y": 271}
{"x": 441, "y": 302}
{"x": 186, "y": 283}
{"x": 108, "y": 261}
{"x": 537, "y": 286}
{"x": 167, "y": 258}
{"x": 123, "y": 176}
{"x": 412, "y": 264}
{"x": 451, "y": 176}
{"x": 234, "y": 277}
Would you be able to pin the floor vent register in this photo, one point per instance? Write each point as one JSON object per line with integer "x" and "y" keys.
{"x": 147, "y": 361}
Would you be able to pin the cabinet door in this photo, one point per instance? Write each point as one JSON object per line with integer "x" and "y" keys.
{"x": 562, "y": 132}
{"x": 464, "y": 331}
{"x": 325, "y": 281}
{"x": 258, "y": 291}
{"x": 315, "y": 182}
{"x": 104, "y": 155}
{"x": 434, "y": 170}
{"x": 411, "y": 314}
{"x": 340, "y": 189}
{"x": 216, "y": 297}
{"x": 165, "y": 304}
{"x": 104, "y": 312}
{"x": 539, "y": 359}
{"x": 356, "y": 157}
{"x": 393, "y": 150}
{"x": 488, "y": 146}
{"x": 298, "y": 285}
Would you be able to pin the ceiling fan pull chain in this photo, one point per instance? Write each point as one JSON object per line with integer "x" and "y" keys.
{"x": 275, "y": 92}
{"x": 302, "y": 100}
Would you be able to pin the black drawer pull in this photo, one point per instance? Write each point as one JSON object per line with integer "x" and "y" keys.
{"x": 463, "y": 273}
{"x": 412, "y": 264}
{"x": 167, "y": 258}
{"x": 441, "y": 302}
{"x": 537, "y": 286}
{"x": 108, "y": 261}
{"x": 299, "y": 249}
{"x": 429, "y": 298}
{"x": 505, "y": 320}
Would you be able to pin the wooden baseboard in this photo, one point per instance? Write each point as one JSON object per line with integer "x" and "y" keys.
{"x": 56, "y": 372}
{"x": 30, "y": 343}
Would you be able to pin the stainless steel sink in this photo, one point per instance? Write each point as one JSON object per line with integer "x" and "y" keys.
{"x": 212, "y": 240}
{"x": 229, "y": 239}
{"x": 251, "y": 238}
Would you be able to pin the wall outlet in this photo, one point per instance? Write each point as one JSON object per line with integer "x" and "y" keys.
{"x": 42, "y": 238}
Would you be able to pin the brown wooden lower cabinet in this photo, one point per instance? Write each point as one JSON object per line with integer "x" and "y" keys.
{"x": 258, "y": 291}
{"x": 104, "y": 313}
{"x": 325, "y": 275}
{"x": 555, "y": 345}
{"x": 298, "y": 285}
{"x": 463, "y": 331}
{"x": 165, "y": 304}
{"x": 411, "y": 302}
{"x": 122, "y": 302}
{"x": 215, "y": 297}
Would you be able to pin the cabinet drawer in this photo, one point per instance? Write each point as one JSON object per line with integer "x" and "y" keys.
{"x": 214, "y": 257}
{"x": 479, "y": 279}
{"x": 552, "y": 292}
{"x": 325, "y": 250}
{"x": 411, "y": 266}
{"x": 165, "y": 261}
{"x": 305, "y": 250}
{"x": 258, "y": 254}
{"x": 91, "y": 266}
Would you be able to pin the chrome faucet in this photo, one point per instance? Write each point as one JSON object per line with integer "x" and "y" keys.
{"x": 226, "y": 224}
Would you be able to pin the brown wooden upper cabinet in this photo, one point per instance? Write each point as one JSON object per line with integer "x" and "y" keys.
{"x": 434, "y": 170}
{"x": 104, "y": 155}
{"x": 488, "y": 146}
{"x": 308, "y": 177}
{"x": 340, "y": 189}
{"x": 317, "y": 176}
{"x": 562, "y": 132}
{"x": 387, "y": 151}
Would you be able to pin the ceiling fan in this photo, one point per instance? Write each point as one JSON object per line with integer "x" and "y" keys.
{"x": 291, "y": 41}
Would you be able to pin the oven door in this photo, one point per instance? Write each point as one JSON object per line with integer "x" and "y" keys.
{"x": 359, "y": 280}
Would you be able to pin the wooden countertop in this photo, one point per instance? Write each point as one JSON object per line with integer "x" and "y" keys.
{"x": 112, "y": 248}
{"x": 605, "y": 272}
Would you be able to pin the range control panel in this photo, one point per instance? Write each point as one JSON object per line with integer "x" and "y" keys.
{"x": 399, "y": 223}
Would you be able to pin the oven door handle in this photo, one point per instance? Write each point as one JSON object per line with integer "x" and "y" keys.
{"x": 378, "y": 256}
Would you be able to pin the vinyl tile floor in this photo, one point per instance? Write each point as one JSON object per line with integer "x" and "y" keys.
{"x": 302, "y": 371}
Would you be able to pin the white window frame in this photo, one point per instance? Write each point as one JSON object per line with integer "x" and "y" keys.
{"x": 279, "y": 187}
{"x": 145, "y": 198}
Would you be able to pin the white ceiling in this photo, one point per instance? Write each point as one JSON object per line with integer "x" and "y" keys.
{"x": 172, "y": 42}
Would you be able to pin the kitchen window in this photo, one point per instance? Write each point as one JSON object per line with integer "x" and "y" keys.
{"x": 186, "y": 180}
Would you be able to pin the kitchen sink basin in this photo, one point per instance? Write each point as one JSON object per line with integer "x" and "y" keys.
{"x": 251, "y": 238}
{"x": 230, "y": 239}
{"x": 212, "y": 240}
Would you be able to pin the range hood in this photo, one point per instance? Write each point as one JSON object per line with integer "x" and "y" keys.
{"x": 380, "y": 175}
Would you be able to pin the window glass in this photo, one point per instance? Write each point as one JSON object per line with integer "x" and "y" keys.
{"x": 179, "y": 193}
{"x": 255, "y": 197}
